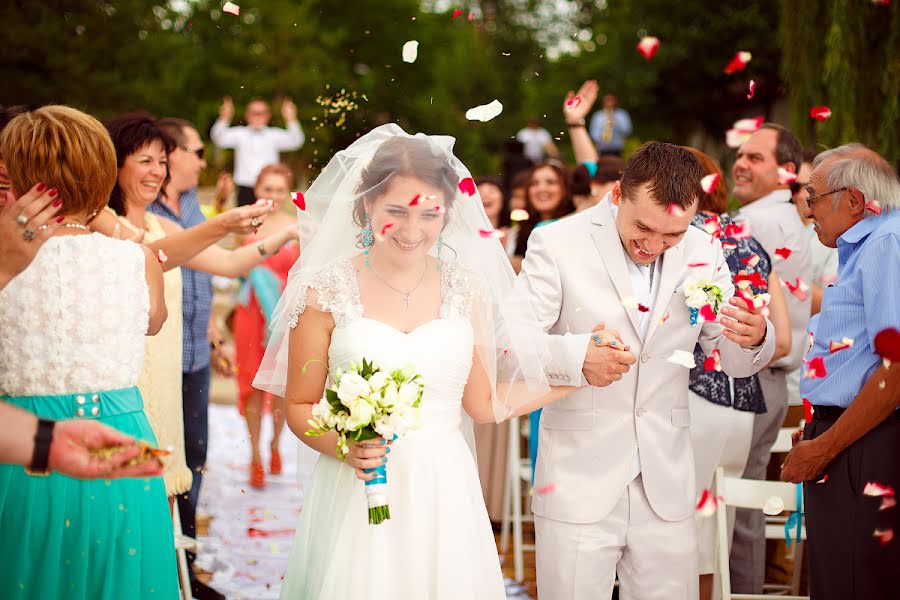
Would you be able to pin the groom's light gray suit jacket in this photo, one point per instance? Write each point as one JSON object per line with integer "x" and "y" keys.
{"x": 575, "y": 275}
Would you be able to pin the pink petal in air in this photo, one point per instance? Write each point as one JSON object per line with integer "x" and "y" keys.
{"x": 232, "y": 8}
{"x": 648, "y": 46}
{"x": 298, "y": 200}
{"x": 467, "y": 186}
{"x": 752, "y": 90}
{"x": 490, "y": 234}
{"x": 798, "y": 288}
{"x": 785, "y": 177}
{"x": 784, "y": 253}
{"x": 820, "y": 113}
{"x": 161, "y": 257}
{"x": 873, "y": 488}
{"x": 415, "y": 200}
{"x": 887, "y": 502}
{"x": 708, "y": 183}
{"x": 738, "y": 63}
{"x": 456, "y": 13}
{"x": 834, "y": 346}
{"x": 707, "y": 313}
{"x": 751, "y": 261}
{"x": 749, "y": 125}
{"x": 884, "y": 535}
{"x": 713, "y": 361}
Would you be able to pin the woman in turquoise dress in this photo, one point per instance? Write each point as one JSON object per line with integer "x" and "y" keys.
{"x": 72, "y": 329}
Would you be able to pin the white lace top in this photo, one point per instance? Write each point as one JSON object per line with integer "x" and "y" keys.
{"x": 75, "y": 319}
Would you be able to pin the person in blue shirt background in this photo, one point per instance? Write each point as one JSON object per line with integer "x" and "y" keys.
{"x": 609, "y": 127}
{"x": 851, "y": 447}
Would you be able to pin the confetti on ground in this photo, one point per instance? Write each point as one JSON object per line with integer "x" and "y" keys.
{"x": 648, "y": 46}
{"x": 410, "y": 51}
{"x": 467, "y": 186}
{"x": 161, "y": 257}
{"x": 774, "y": 505}
{"x": 815, "y": 368}
{"x": 299, "y": 200}
{"x": 873, "y": 488}
{"x": 874, "y": 206}
{"x": 752, "y": 90}
{"x": 738, "y": 63}
{"x": 783, "y": 252}
{"x": 708, "y": 183}
{"x": 887, "y": 344}
{"x": 232, "y": 8}
{"x": 820, "y": 113}
{"x": 786, "y": 177}
{"x": 713, "y": 362}
{"x": 485, "y": 112}
{"x": 683, "y": 358}
{"x": 845, "y": 343}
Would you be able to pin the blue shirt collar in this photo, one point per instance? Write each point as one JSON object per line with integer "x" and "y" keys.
{"x": 860, "y": 231}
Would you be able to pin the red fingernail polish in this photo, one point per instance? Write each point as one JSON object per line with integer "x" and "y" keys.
{"x": 57, "y": 202}
{"x": 41, "y": 187}
{"x": 59, "y": 219}
{"x": 52, "y": 193}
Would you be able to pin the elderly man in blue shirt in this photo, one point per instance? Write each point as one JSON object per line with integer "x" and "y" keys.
{"x": 849, "y": 460}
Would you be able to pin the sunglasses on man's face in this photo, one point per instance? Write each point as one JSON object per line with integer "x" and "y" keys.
{"x": 200, "y": 152}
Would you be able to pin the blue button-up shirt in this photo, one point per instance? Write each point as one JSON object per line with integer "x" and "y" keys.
{"x": 864, "y": 301}
{"x": 196, "y": 302}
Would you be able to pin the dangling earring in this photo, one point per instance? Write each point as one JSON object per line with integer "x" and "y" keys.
{"x": 440, "y": 246}
{"x": 367, "y": 239}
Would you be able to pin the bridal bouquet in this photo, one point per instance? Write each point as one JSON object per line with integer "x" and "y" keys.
{"x": 365, "y": 402}
{"x": 703, "y": 299}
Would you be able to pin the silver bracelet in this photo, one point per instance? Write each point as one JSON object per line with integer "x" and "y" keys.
{"x": 261, "y": 248}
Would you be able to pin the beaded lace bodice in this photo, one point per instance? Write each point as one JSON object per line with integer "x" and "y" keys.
{"x": 75, "y": 319}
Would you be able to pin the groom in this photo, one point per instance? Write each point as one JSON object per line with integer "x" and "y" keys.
{"x": 617, "y": 454}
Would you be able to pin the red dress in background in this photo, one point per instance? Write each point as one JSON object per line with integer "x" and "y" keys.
{"x": 250, "y": 326}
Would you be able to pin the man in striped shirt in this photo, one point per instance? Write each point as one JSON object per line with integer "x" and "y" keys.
{"x": 849, "y": 460}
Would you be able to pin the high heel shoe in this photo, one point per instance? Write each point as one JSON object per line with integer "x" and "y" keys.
{"x": 275, "y": 462}
{"x": 257, "y": 476}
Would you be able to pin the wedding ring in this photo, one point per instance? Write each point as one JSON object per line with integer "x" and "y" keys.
{"x": 255, "y": 222}
{"x": 22, "y": 220}
{"x": 28, "y": 235}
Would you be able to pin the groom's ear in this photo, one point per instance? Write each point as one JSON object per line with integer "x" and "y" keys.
{"x": 617, "y": 193}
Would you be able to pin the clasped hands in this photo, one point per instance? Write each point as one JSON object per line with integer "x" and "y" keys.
{"x": 607, "y": 358}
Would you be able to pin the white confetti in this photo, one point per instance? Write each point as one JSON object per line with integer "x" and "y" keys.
{"x": 410, "y": 51}
{"x": 232, "y": 8}
{"x": 773, "y": 506}
{"x": 485, "y": 112}
{"x": 685, "y": 359}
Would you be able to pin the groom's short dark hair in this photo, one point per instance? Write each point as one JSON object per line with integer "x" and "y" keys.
{"x": 671, "y": 174}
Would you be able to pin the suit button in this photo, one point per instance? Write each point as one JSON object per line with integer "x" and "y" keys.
{"x": 79, "y": 399}
{"x": 644, "y": 358}
{"x": 79, "y": 412}
{"x": 639, "y": 412}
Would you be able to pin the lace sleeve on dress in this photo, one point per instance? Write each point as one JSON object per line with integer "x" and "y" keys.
{"x": 458, "y": 287}
{"x": 334, "y": 290}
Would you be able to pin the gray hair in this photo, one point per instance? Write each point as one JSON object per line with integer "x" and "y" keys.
{"x": 862, "y": 168}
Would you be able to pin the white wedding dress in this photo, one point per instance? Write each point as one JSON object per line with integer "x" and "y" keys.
{"x": 438, "y": 544}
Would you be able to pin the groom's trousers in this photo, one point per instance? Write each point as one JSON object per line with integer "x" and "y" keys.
{"x": 655, "y": 559}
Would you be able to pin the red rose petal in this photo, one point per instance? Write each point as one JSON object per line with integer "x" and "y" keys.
{"x": 815, "y": 368}
{"x": 873, "y": 488}
{"x": 707, "y": 313}
{"x": 643, "y": 308}
{"x": 751, "y": 261}
{"x": 490, "y": 233}
{"x": 648, "y": 46}
{"x": 783, "y": 252}
{"x": 545, "y": 489}
{"x": 467, "y": 186}
{"x": 884, "y": 535}
{"x": 161, "y": 257}
{"x": 674, "y": 210}
{"x": 708, "y": 183}
{"x": 706, "y": 505}
{"x": 693, "y": 265}
{"x": 747, "y": 298}
{"x": 738, "y": 63}
{"x": 798, "y": 288}
{"x": 298, "y": 200}
{"x": 728, "y": 245}
{"x": 232, "y": 9}
{"x": 834, "y": 346}
{"x": 748, "y": 125}
{"x": 824, "y": 479}
{"x": 415, "y": 200}
{"x": 887, "y": 344}
{"x": 752, "y": 90}
{"x": 820, "y": 113}
{"x": 573, "y": 102}
{"x": 738, "y": 231}
{"x": 386, "y": 228}
{"x": 786, "y": 177}
{"x": 456, "y": 13}
{"x": 754, "y": 279}
{"x": 874, "y": 206}
{"x": 887, "y": 502}
{"x": 713, "y": 361}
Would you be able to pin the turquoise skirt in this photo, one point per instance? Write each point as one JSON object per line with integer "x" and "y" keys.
{"x": 66, "y": 538}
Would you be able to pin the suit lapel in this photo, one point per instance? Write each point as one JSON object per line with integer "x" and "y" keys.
{"x": 672, "y": 268}
{"x": 606, "y": 237}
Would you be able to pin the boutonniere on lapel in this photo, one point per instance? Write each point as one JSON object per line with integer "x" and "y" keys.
{"x": 702, "y": 299}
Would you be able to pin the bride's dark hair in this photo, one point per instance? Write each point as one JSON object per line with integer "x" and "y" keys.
{"x": 404, "y": 156}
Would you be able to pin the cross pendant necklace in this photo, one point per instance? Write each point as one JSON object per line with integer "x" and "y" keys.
{"x": 407, "y": 300}
{"x": 407, "y": 296}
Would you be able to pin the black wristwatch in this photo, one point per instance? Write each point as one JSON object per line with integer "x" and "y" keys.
{"x": 40, "y": 458}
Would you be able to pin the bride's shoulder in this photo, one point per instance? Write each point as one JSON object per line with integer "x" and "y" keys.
{"x": 460, "y": 286}
{"x": 331, "y": 288}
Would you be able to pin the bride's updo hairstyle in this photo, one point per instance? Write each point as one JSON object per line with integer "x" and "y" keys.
{"x": 410, "y": 157}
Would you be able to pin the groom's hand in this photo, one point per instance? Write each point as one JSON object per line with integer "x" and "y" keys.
{"x": 743, "y": 327}
{"x": 607, "y": 358}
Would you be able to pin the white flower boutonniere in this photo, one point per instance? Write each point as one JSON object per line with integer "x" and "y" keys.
{"x": 702, "y": 299}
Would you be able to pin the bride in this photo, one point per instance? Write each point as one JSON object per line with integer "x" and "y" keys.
{"x": 402, "y": 271}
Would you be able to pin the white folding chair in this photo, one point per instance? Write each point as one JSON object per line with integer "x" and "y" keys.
{"x": 753, "y": 494}
{"x": 517, "y": 470}
{"x": 183, "y": 543}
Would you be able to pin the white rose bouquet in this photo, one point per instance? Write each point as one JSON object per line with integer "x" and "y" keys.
{"x": 702, "y": 299}
{"x": 363, "y": 403}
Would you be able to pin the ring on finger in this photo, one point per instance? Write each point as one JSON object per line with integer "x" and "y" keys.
{"x": 22, "y": 220}
{"x": 28, "y": 235}
{"x": 255, "y": 222}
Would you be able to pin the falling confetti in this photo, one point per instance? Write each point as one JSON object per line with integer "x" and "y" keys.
{"x": 299, "y": 200}
{"x": 161, "y": 257}
{"x": 456, "y": 13}
{"x": 573, "y": 102}
{"x": 663, "y": 319}
{"x": 743, "y": 280}
{"x": 713, "y": 362}
{"x": 751, "y": 261}
{"x": 490, "y": 234}
{"x": 738, "y": 63}
{"x": 415, "y": 200}
{"x": 385, "y": 229}
{"x": 815, "y": 368}
{"x": 545, "y": 489}
{"x": 410, "y": 51}
{"x": 707, "y": 313}
{"x": 834, "y": 346}
{"x": 683, "y": 358}
{"x": 467, "y": 186}
{"x": 749, "y": 125}
{"x": 648, "y": 46}
{"x": 738, "y": 231}
{"x": 887, "y": 502}
{"x": 884, "y": 535}
{"x": 485, "y": 112}
{"x": 709, "y": 182}
{"x": 784, "y": 253}
{"x": 774, "y": 505}
{"x": 820, "y": 113}
{"x": 752, "y": 90}
{"x": 798, "y": 289}
{"x": 741, "y": 130}
{"x": 706, "y": 505}
{"x": 232, "y": 8}
{"x": 519, "y": 214}
{"x": 874, "y": 206}
{"x": 887, "y": 344}
{"x": 699, "y": 264}
{"x": 786, "y": 177}
{"x": 824, "y": 479}
{"x": 873, "y": 488}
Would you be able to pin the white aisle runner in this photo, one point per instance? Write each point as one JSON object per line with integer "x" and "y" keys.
{"x": 251, "y": 531}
